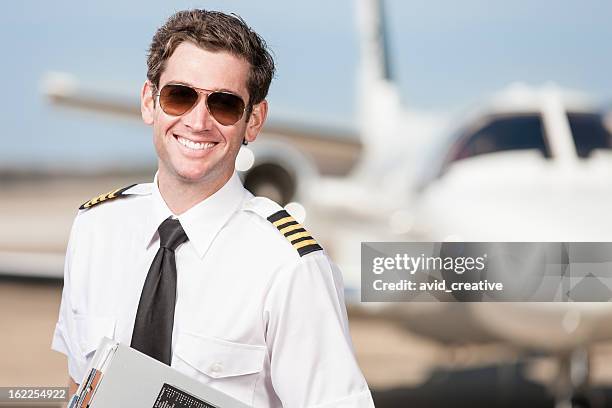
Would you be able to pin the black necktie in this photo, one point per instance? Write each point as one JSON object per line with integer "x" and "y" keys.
{"x": 152, "y": 333}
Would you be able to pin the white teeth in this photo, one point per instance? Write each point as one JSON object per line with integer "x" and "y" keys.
{"x": 194, "y": 145}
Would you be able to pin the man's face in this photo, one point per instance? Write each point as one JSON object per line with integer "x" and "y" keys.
{"x": 212, "y": 159}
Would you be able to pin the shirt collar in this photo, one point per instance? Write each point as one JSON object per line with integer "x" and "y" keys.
{"x": 203, "y": 221}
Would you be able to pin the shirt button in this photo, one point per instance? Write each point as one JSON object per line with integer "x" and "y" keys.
{"x": 216, "y": 368}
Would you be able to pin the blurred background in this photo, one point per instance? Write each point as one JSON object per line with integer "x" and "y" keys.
{"x": 389, "y": 121}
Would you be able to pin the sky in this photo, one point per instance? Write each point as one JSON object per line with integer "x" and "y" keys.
{"x": 445, "y": 54}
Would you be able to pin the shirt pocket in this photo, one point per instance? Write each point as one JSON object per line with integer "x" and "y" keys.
{"x": 230, "y": 367}
{"x": 91, "y": 330}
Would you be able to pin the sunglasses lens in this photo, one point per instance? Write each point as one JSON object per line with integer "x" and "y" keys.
{"x": 226, "y": 108}
{"x": 177, "y": 99}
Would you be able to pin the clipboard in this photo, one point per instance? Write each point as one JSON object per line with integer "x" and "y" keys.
{"x": 120, "y": 376}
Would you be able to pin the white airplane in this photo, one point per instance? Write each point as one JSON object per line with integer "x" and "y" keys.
{"x": 532, "y": 164}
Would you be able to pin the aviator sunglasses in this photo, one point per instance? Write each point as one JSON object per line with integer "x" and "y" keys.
{"x": 225, "y": 107}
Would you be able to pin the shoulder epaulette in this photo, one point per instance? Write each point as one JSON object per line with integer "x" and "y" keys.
{"x": 111, "y": 195}
{"x": 295, "y": 233}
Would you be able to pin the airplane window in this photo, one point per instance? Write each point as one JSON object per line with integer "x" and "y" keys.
{"x": 517, "y": 132}
{"x": 589, "y": 133}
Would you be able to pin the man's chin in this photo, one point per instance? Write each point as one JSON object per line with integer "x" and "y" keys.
{"x": 202, "y": 176}
{"x": 194, "y": 177}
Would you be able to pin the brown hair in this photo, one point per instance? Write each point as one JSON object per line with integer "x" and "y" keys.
{"x": 213, "y": 31}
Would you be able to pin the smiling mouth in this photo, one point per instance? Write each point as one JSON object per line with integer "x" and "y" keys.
{"x": 194, "y": 145}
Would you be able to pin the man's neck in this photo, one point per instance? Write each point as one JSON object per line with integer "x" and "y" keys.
{"x": 180, "y": 195}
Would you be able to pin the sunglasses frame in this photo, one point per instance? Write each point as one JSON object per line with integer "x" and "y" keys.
{"x": 200, "y": 92}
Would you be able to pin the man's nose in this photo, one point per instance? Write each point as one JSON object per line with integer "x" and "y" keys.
{"x": 198, "y": 118}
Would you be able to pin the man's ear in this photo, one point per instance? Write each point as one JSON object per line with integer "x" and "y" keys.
{"x": 256, "y": 120}
{"x": 147, "y": 103}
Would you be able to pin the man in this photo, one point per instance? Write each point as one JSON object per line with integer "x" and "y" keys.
{"x": 192, "y": 269}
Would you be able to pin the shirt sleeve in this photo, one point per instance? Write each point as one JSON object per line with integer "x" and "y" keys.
{"x": 311, "y": 353}
{"x": 65, "y": 336}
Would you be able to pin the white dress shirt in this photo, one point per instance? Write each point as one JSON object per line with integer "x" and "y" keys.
{"x": 253, "y": 318}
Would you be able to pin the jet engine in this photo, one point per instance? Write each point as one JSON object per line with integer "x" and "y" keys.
{"x": 275, "y": 170}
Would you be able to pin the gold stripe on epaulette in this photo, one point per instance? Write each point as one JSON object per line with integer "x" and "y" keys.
{"x": 293, "y": 237}
{"x": 283, "y": 221}
{"x": 295, "y": 233}
{"x": 290, "y": 228}
{"x": 306, "y": 243}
